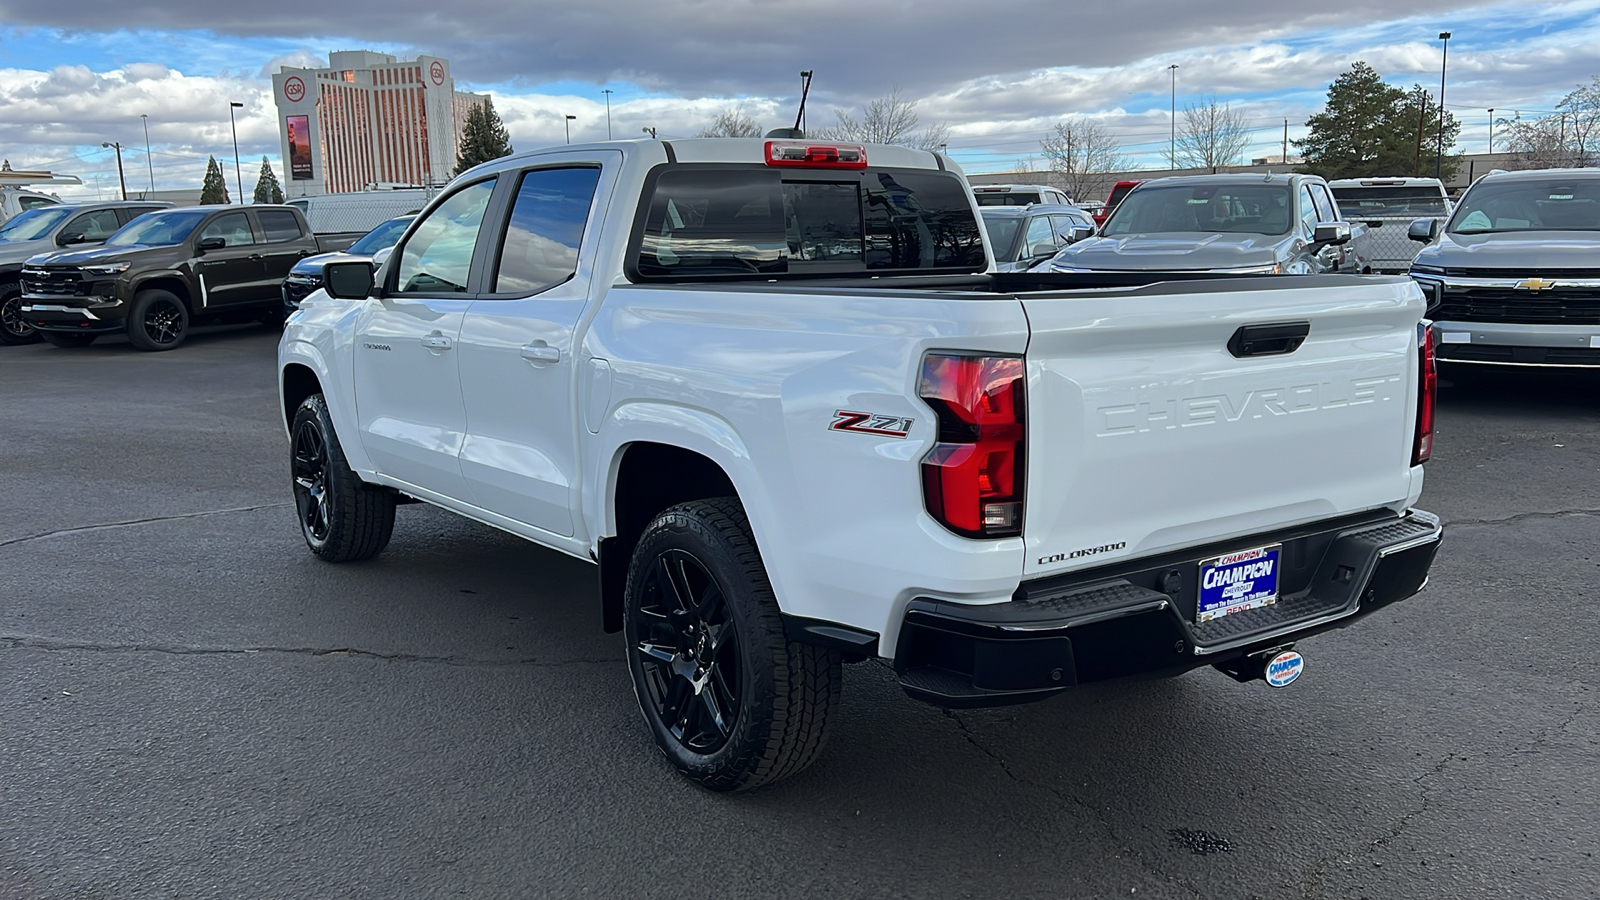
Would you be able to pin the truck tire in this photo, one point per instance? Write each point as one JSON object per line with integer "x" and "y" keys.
{"x": 158, "y": 320}
{"x": 13, "y": 329}
{"x": 67, "y": 338}
{"x": 731, "y": 702}
{"x": 342, "y": 518}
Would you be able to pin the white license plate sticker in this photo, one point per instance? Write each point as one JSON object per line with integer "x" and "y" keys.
{"x": 1594, "y": 341}
{"x": 1455, "y": 337}
{"x": 1237, "y": 582}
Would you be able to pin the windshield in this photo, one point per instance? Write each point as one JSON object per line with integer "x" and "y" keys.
{"x": 1555, "y": 204}
{"x": 1002, "y": 231}
{"x": 1400, "y": 202}
{"x": 384, "y": 235}
{"x": 158, "y": 229}
{"x": 33, "y": 224}
{"x": 1206, "y": 209}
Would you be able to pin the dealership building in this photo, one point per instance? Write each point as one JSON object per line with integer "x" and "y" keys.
{"x": 369, "y": 120}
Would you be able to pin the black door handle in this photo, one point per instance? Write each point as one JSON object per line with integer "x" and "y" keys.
{"x": 1274, "y": 339}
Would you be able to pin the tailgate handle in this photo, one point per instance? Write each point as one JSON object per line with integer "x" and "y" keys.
{"x": 1274, "y": 339}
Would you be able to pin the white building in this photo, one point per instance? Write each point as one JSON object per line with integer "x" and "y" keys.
{"x": 368, "y": 120}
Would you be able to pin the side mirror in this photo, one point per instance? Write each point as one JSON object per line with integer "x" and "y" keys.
{"x": 211, "y": 243}
{"x": 382, "y": 256}
{"x": 1330, "y": 234}
{"x": 1042, "y": 249}
{"x": 1423, "y": 231}
{"x": 1076, "y": 233}
{"x": 348, "y": 280}
{"x": 70, "y": 238}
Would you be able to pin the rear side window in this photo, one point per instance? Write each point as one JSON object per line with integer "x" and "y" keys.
{"x": 733, "y": 221}
{"x": 540, "y": 249}
{"x": 279, "y": 225}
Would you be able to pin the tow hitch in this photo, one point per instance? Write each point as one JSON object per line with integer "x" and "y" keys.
{"x": 1278, "y": 667}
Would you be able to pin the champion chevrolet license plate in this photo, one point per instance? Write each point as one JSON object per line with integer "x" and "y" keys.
{"x": 1237, "y": 582}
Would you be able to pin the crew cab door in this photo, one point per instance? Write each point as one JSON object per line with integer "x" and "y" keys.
{"x": 518, "y": 360}
{"x": 230, "y": 275}
{"x": 283, "y": 245}
{"x": 407, "y": 378}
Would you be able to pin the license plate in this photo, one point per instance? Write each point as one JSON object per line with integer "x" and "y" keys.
{"x": 1239, "y": 581}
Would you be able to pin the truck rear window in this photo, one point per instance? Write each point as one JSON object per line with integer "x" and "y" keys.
{"x": 1390, "y": 200}
{"x": 742, "y": 221}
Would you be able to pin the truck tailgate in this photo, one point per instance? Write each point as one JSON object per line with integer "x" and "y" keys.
{"x": 1147, "y": 434}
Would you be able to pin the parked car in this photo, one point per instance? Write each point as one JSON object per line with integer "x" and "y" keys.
{"x": 1515, "y": 275}
{"x": 165, "y": 271}
{"x": 773, "y": 391}
{"x": 1113, "y": 199}
{"x": 1022, "y": 236}
{"x": 1230, "y": 224}
{"x": 49, "y": 227}
{"x": 1018, "y": 194}
{"x": 306, "y": 276}
{"x": 1388, "y": 206}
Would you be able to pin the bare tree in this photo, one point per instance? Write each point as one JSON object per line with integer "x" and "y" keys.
{"x": 1082, "y": 156}
{"x": 1212, "y": 136}
{"x": 887, "y": 120}
{"x": 1570, "y": 137}
{"x": 732, "y": 122}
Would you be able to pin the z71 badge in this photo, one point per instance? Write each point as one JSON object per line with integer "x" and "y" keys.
{"x": 868, "y": 423}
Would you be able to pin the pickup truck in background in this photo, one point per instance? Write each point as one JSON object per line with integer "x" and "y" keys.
{"x": 776, "y": 393}
{"x": 306, "y": 276}
{"x": 1388, "y": 206}
{"x": 48, "y": 228}
{"x": 1113, "y": 200}
{"x": 1019, "y": 195}
{"x": 168, "y": 270}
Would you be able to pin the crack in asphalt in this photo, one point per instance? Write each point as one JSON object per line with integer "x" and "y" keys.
{"x": 1099, "y": 815}
{"x": 1311, "y": 885}
{"x": 1521, "y": 517}
{"x": 32, "y": 642}
{"x": 131, "y": 523}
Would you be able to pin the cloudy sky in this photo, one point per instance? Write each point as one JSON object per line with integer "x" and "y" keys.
{"x": 998, "y": 73}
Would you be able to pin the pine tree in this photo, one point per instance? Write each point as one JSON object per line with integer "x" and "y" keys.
{"x": 267, "y": 188}
{"x": 1369, "y": 128}
{"x": 483, "y": 137}
{"x": 215, "y": 188}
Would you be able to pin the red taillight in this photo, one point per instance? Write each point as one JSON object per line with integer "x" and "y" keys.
{"x": 1427, "y": 397}
{"x": 816, "y": 156}
{"x": 972, "y": 479}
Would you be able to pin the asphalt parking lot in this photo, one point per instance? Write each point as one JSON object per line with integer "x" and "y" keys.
{"x": 192, "y": 706}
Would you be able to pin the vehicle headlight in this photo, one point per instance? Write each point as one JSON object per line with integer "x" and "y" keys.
{"x": 1274, "y": 269}
{"x": 116, "y": 268}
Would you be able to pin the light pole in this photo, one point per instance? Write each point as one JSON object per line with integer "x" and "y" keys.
{"x": 238, "y": 175}
{"x": 145, "y": 118}
{"x": 120, "y": 179}
{"x": 1172, "y": 141}
{"x": 1491, "y": 129}
{"x": 607, "y": 92}
{"x": 568, "y": 123}
{"x": 1438, "y": 160}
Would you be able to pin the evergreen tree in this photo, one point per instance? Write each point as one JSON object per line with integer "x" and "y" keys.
{"x": 1369, "y": 128}
{"x": 215, "y": 188}
{"x": 267, "y": 187}
{"x": 483, "y": 137}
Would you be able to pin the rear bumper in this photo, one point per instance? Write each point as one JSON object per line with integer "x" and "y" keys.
{"x": 1512, "y": 344}
{"x": 1138, "y": 620}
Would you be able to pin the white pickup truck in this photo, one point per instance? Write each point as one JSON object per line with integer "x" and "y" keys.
{"x": 775, "y": 391}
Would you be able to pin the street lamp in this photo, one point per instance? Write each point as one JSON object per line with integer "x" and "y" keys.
{"x": 607, "y": 92}
{"x": 1438, "y": 160}
{"x": 1491, "y": 129}
{"x": 1172, "y": 141}
{"x": 238, "y": 175}
{"x": 121, "y": 180}
{"x": 145, "y": 118}
{"x": 650, "y": 130}
{"x": 568, "y": 123}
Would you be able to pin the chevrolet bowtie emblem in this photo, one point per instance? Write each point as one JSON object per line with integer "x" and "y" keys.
{"x": 1534, "y": 284}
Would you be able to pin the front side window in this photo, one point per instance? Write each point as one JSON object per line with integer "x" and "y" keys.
{"x": 1039, "y": 234}
{"x": 94, "y": 226}
{"x": 1308, "y": 211}
{"x": 1324, "y": 204}
{"x": 234, "y": 228}
{"x": 544, "y": 232}
{"x": 279, "y": 225}
{"x": 438, "y": 256}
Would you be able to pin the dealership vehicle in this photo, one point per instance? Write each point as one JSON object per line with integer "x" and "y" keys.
{"x": 1388, "y": 206}
{"x": 48, "y": 228}
{"x": 1021, "y": 236}
{"x": 1113, "y": 200}
{"x": 355, "y": 213}
{"x": 1018, "y": 194}
{"x": 1514, "y": 278}
{"x": 775, "y": 391}
{"x": 165, "y": 271}
{"x": 14, "y": 203}
{"x": 16, "y": 199}
{"x": 1224, "y": 224}
{"x": 306, "y": 276}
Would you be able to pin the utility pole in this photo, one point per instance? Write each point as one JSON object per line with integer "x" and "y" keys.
{"x": 1286, "y": 140}
{"x": 1444, "y": 65}
{"x": 238, "y": 175}
{"x": 1422, "y": 122}
{"x": 120, "y": 180}
{"x": 568, "y": 123}
{"x": 1491, "y": 129}
{"x": 1172, "y": 142}
{"x": 145, "y": 117}
{"x": 607, "y": 92}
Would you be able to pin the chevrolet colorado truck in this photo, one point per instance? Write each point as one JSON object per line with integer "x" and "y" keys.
{"x": 168, "y": 270}
{"x": 776, "y": 392}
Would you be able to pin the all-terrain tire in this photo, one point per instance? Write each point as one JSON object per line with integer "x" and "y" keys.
{"x": 786, "y": 692}
{"x": 157, "y": 320}
{"x": 342, "y": 518}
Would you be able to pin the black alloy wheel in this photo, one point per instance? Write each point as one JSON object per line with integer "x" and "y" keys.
{"x": 157, "y": 320}
{"x": 13, "y": 328}
{"x": 163, "y": 322}
{"x": 310, "y": 468}
{"x": 689, "y": 650}
{"x": 342, "y": 518}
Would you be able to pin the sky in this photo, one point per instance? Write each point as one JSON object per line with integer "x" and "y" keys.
{"x": 999, "y": 74}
